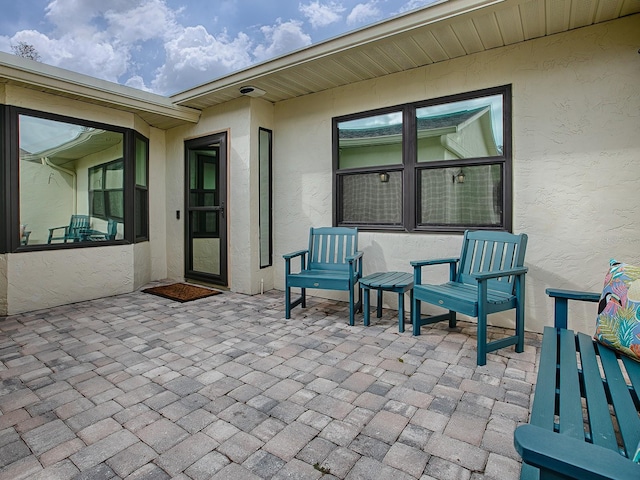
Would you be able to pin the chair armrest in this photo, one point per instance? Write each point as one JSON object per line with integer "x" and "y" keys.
{"x": 57, "y": 228}
{"x": 500, "y": 273}
{"x": 571, "y": 457}
{"x": 289, "y": 256}
{"x": 354, "y": 257}
{"x": 437, "y": 261}
{"x": 573, "y": 295}
{"x": 561, "y": 307}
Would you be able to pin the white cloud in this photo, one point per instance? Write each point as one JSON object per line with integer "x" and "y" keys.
{"x": 89, "y": 54}
{"x": 321, "y": 15}
{"x": 152, "y": 19}
{"x": 194, "y": 56}
{"x": 364, "y": 13}
{"x": 281, "y": 38}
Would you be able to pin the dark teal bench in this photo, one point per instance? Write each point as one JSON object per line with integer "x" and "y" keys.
{"x": 332, "y": 262}
{"x": 585, "y": 420}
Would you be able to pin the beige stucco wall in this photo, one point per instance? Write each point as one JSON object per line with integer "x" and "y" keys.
{"x": 241, "y": 119}
{"x": 34, "y": 280}
{"x": 576, "y": 159}
{"x": 49, "y": 278}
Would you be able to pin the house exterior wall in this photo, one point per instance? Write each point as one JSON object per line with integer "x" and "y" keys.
{"x": 241, "y": 119}
{"x": 47, "y": 278}
{"x": 576, "y": 160}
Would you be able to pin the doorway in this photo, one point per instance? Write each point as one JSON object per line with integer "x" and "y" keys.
{"x": 205, "y": 222}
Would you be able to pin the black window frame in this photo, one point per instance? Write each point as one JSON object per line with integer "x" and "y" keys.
{"x": 410, "y": 168}
{"x": 141, "y": 193}
{"x": 10, "y": 179}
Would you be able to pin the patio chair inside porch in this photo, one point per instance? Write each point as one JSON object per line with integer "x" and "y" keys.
{"x": 73, "y": 232}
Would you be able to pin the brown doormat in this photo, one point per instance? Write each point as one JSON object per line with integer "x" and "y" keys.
{"x": 181, "y": 292}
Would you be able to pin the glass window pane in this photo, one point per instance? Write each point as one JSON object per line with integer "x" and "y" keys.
{"x": 114, "y": 175}
{"x": 461, "y": 196}
{"x": 141, "y": 162}
{"x": 265, "y": 197}
{"x": 97, "y": 204}
{"x": 56, "y": 172}
{"x": 96, "y": 179}
{"x": 115, "y": 204}
{"x": 465, "y": 129}
{"x": 370, "y": 142}
{"x": 141, "y": 227}
{"x": 209, "y": 175}
{"x": 372, "y": 198}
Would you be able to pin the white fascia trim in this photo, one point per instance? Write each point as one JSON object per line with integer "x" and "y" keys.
{"x": 38, "y": 74}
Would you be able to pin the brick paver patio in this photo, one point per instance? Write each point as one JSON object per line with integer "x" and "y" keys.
{"x": 139, "y": 387}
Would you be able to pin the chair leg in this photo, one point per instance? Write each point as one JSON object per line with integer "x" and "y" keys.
{"x": 482, "y": 339}
{"x": 452, "y": 319}
{"x": 415, "y": 315}
{"x": 303, "y": 295}
{"x": 520, "y": 328}
{"x": 351, "y": 306}
{"x": 365, "y": 306}
{"x": 287, "y": 302}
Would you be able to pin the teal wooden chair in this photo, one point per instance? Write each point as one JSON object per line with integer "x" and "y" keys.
{"x": 488, "y": 277}
{"x": 332, "y": 262}
{"x": 74, "y": 232}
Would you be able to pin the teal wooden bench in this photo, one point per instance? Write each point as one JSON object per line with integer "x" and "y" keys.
{"x": 332, "y": 262}
{"x": 488, "y": 277}
{"x": 585, "y": 420}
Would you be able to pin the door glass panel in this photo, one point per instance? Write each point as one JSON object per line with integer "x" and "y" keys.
{"x": 205, "y": 214}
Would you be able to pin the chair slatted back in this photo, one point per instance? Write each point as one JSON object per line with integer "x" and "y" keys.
{"x": 330, "y": 246}
{"x": 77, "y": 224}
{"x": 487, "y": 251}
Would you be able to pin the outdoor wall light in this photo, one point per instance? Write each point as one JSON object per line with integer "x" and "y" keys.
{"x": 251, "y": 91}
{"x": 458, "y": 177}
{"x": 384, "y": 177}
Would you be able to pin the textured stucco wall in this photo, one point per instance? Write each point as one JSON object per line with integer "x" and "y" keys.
{"x": 576, "y": 159}
{"x": 34, "y": 280}
{"x": 49, "y": 278}
{"x": 232, "y": 118}
{"x": 241, "y": 119}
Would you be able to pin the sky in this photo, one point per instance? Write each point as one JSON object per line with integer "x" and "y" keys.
{"x": 169, "y": 46}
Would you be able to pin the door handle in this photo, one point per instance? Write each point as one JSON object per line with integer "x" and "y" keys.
{"x": 222, "y": 209}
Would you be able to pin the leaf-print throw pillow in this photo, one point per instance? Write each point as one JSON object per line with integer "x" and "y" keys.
{"x": 618, "y": 322}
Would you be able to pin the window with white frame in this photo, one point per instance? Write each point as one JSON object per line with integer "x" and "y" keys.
{"x": 438, "y": 165}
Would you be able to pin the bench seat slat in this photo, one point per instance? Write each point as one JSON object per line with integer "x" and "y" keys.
{"x": 602, "y": 432}
{"x": 570, "y": 404}
{"x": 621, "y": 399}
{"x": 543, "y": 411}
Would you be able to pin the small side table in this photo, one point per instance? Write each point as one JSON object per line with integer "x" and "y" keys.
{"x": 398, "y": 282}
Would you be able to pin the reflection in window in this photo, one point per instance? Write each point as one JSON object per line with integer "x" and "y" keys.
{"x": 106, "y": 191}
{"x": 60, "y": 163}
{"x": 447, "y": 160}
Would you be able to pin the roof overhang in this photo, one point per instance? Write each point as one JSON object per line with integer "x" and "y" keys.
{"x": 156, "y": 110}
{"x": 436, "y": 33}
